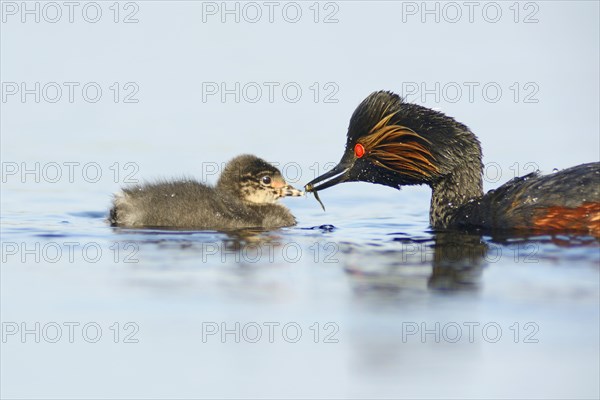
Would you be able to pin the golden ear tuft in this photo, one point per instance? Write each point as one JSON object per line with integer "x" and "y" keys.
{"x": 399, "y": 149}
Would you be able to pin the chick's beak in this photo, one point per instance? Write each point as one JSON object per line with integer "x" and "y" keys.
{"x": 340, "y": 173}
{"x": 285, "y": 190}
{"x": 290, "y": 191}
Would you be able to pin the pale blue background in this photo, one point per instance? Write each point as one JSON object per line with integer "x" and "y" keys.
{"x": 171, "y": 132}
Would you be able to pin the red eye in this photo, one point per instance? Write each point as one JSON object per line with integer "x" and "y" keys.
{"x": 359, "y": 150}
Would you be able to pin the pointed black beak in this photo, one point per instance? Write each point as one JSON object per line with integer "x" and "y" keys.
{"x": 339, "y": 174}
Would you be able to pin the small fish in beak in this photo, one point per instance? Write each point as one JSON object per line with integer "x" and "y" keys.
{"x": 319, "y": 200}
{"x": 309, "y": 188}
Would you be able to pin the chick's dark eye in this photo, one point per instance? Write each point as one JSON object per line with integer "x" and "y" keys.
{"x": 266, "y": 180}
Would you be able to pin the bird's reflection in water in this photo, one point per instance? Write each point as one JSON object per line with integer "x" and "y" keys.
{"x": 236, "y": 248}
{"x": 229, "y": 266}
{"x": 251, "y": 243}
{"x": 234, "y": 240}
{"x": 397, "y": 266}
{"x": 458, "y": 261}
{"x": 454, "y": 261}
{"x": 445, "y": 261}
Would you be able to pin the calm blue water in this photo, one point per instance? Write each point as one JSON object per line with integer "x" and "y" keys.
{"x": 375, "y": 304}
{"x": 360, "y": 301}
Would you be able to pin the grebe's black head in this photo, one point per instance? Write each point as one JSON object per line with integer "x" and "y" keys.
{"x": 394, "y": 143}
{"x": 254, "y": 180}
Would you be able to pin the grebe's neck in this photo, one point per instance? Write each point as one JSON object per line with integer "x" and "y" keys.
{"x": 453, "y": 190}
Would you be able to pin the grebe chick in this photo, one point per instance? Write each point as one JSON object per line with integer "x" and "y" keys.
{"x": 244, "y": 197}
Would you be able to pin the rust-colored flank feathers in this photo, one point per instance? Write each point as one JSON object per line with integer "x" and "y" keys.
{"x": 582, "y": 218}
{"x": 397, "y": 148}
